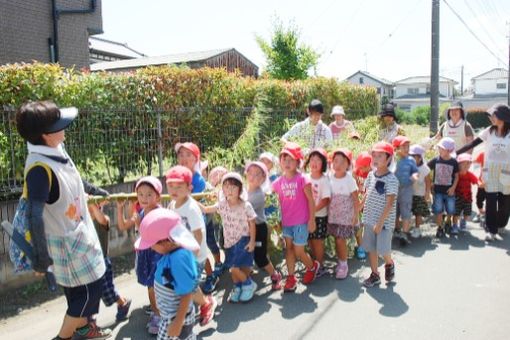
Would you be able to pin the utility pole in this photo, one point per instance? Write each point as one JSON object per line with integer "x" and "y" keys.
{"x": 462, "y": 80}
{"x": 508, "y": 80}
{"x": 434, "y": 70}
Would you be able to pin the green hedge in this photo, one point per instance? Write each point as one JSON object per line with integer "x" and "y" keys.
{"x": 477, "y": 117}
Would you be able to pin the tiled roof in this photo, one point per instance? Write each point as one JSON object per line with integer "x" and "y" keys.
{"x": 113, "y": 47}
{"x": 422, "y": 80}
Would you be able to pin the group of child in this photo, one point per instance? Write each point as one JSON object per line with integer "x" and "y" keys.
{"x": 330, "y": 200}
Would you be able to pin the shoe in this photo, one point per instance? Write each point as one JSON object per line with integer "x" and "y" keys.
{"x": 389, "y": 272}
{"x": 341, "y": 270}
{"x": 415, "y": 233}
{"x": 234, "y": 295}
{"x": 404, "y": 239}
{"x": 276, "y": 281}
{"x": 455, "y": 230}
{"x": 147, "y": 309}
{"x": 489, "y": 237}
{"x": 477, "y": 218}
{"x": 290, "y": 284}
{"x": 248, "y": 291}
{"x": 497, "y": 237}
{"x": 219, "y": 268}
{"x": 483, "y": 224}
{"x": 153, "y": 325}
{"x": 463, "y": 224}
{"x": 207, "y": 310}
{"x": 397, "y": 234}
{"x": 209, "y": 284}
{"x": 448, "y": 227}
{"x": 361, "y": 253}
{"x": 372, "y": 280}
{"x": 322, "y": 271}
{"x": 440, "y": 233}
{"x": 311, "y": 274}
{"x": 122, "y": 311}
{"x": 91, "y": 331}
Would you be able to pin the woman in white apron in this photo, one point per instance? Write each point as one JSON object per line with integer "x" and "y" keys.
{"x": 456, "y": 127}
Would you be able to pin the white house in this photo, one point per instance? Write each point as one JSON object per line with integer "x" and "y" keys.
{"x": 414, "y": 91}
{"x": 491, "y": 83}
{"x": 363, "y": 78}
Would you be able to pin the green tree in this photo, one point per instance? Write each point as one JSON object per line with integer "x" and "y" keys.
{"x": 286, "y": 57}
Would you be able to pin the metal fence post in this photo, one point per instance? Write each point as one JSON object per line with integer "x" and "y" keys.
{"x": 160, "y": 145}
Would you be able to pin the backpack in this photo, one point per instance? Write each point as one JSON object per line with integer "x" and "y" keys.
{"x": 20, "y": 223}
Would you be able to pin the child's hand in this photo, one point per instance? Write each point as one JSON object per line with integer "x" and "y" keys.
{"x": 137, "y": 219}
{"x": 250, "y": 247}
{"x": 120, "y": 204}
{"x": 451, "y": 191}
{"x": 377, "y": 228}
{"x": 174, "y": 330}
{"x": 428, "y": 197}
{"x": 311, "y": 225}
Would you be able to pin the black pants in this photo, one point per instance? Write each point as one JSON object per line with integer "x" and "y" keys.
{"x": 480, "y": 198}
{"x": 260, "y": 254}
{"x": 497, "y": 211}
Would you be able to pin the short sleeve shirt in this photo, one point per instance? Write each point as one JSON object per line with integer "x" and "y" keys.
{"x": 341, "y": 199}
{"x": 497, "y": 149}
{"x": 292, "y": 198}
{"x": 235, "y": 220}
{"x": 378, "y": 188}
{"x": 257, "y": 198}
{"x": 463, "y": 188}
{"x": 419, "y": 185}
{"x": 198, "y": 183}
{"x": 444, "y": 173}
{"x": 320, "y": 190}
{"x": 406, "y": 167}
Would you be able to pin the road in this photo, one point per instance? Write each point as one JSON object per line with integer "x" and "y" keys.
{"x": 451, "y": 289}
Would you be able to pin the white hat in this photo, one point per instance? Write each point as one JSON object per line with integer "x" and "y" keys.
{"x": 337, "y": 110}
{"x": 417, "y": 150}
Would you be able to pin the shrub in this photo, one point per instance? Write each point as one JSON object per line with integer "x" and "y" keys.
{"x": 477, "y": 117}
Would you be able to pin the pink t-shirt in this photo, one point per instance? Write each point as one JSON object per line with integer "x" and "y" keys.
{"x": 235, "y": 221}
{"x": 293, "y": 201}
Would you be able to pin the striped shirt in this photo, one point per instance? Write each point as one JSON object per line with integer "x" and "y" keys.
{"x": 377, "y": 189}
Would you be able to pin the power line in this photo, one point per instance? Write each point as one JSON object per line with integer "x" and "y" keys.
{"x": 473, "y": 33}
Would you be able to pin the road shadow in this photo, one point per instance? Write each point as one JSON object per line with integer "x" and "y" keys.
{"x": 392, "y": 304}
{"x": 417, "y": 248}
{"x": 133, "y": 328}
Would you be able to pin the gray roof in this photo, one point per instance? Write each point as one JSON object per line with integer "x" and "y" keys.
{"x": 422, "y": 80}
{"x": 159, "y": 60}
{"x": 377, "y": 79}
{"x": 113, "y": 48}
{"x": 495, "y": 73}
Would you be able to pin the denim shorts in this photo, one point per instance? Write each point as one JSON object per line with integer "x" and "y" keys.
{"x": 237, "y": 256}
{"x": 298, "y": 234}
{"x": 443, "y": 202}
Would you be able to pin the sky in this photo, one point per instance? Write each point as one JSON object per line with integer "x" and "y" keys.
{"x": 388, "y": 38}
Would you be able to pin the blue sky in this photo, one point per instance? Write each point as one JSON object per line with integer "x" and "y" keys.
{"x": 391, "y": 38}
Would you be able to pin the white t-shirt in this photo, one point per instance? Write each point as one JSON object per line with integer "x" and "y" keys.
{"x": 342, "y": 186}
{"x": 497, "y": 149}
{"x": 193, "y": 219}
{"x": 320, "y": 190}
{"x": 419, "y": 185}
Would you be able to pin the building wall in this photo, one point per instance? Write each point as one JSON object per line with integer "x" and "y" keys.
{"x": 232, "y": 60}
{"x": 26, "y": 25}
{"x": 489, "y": 86}
{"x": 403, "y": 89}
{"x": 361, "y": 79}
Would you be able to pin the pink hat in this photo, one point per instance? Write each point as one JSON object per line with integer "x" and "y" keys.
{"x": 447, "y": 143}
{"x": 261, "y": 165}
{"x": 152, "y": 181}
{"x": 163, "y": 224}
{"x": 464, "y": 157}
{"x": 234, "y": 175}
{"x": 216, "y": 174}
{"x": 189, "y": 146}
{"x": 179, "y": 173}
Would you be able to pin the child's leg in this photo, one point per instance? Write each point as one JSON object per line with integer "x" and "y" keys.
{"x": 290, "y": 256}
{"x": 341, "y": 249}
{"x": 152, "y": 300}
{"x": 199, "y": 297}
{"x": 387, "y": 259}
{"x": 208, "y": 268}
{"x": 69, "y": 325}
{"x": 374, "y": 261}
{"x": 260, "y": 253}
{"x": 317, "y": 249}
{"x": 419, "y": 220}
{"x": 406, "y": 224}
{"x": 439, "y": 220}
{"x": 238, "y": 275}
{"x": 359, "y": 237}
{"x": 302, "y": 255}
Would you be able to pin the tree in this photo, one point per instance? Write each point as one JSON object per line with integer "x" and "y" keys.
{"x": 286, "y": 57}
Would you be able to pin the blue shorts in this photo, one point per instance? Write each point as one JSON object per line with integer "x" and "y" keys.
{"x": 298, "y": 234}
{"x": 443, "y": 202}
{"x": 237, "y": 256}
{"x": 146, "y": 262}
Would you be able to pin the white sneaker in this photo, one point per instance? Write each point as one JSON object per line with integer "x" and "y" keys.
{"x": 415, "y": 233}
{"x": 497, "y": 237}
{"x": 489, "y": 237}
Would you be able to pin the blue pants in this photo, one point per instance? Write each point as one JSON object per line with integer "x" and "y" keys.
{"x": 110, "y": 294}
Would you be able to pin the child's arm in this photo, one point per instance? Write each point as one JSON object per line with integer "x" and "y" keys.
{"x": 251, "y": 245}
{"x": 211, "y": 209}
{"x": 124, "y": 224}
{"x": 175, "y": 327}
{"x": 387, "y": 208}
{"x": 311, "y": 207}
{"x": 451, "y": 191}
{"x": 198, "y": 235}
{"x": 357, "y": 207}
{"x": 322, "y": 204}
{"x": 99, "y": 216}
{"x": 428, "y": 187}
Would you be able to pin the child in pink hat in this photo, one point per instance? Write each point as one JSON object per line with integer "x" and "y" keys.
{"x": 463, "y": 194}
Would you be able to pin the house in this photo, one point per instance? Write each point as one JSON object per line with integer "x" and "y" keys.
{"x": 414, "y": 91}
{"x": 363, "y": 78}
{"x": 48, "y": 31}
{"x": 228, "y": 58}
{"x": 492, "y": 83}
{"x": 101, "y": 50}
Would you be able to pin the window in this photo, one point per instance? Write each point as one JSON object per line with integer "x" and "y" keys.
{"x": 361, "y": 80}
{"x": 413, "y": 90}
{"x": 427, "y": 90}
{"x": 501, "y": 86}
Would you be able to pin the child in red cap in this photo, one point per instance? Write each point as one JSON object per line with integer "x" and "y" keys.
{"x": 362, "y": 167}
{"x": 298, "y": 209}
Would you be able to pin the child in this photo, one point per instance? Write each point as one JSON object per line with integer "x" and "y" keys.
{"x": 298, "y": 208}
{"x": 340, "y": 124}
{"x": 362, "y": 167}
{"x": 271, "y": 163}
{"x": 257, "y": 175}
{"x": 343, "y": 211}
{"x": 379, "y": 213}
{"x": 110, "y": 295}
{"x": 446, "y": 177}
{"x": 176, "y": 276}
{"x": 178, "y": 183}
{"x": 464, "y": 198}
{"x": 148, "y": 191}
{"x": 318, "y": 163}
{"x": 238, "y": 219}
{"x": 407, "y": 173}
{"x": 480, "y": 192}
{"x": 421, "y": 189}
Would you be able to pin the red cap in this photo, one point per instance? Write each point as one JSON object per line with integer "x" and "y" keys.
{"x": 293, "y": 150}
{"x": 364, "y": 159}
{"x": 383, "y": 147}
{"x": 320, "y": 151}
{"x": 400, "y": 140}
{"x": 190, "y": 146}
{"x": 347, "y": 153}
{"x": 179, "y": 173}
